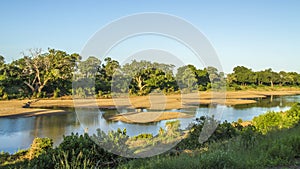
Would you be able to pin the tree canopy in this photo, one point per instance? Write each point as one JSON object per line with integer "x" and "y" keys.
{"x": 51, "y": 73}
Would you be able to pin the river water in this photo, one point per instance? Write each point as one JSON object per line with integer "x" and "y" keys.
{"x": 18, "y": 132}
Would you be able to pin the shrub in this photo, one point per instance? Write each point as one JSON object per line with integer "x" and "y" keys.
{"x": 202, "y": 88}
{"x": 39, "y": 146}
{"x": 267, "y": 122}
{"x": 143, "y": 136}
{"x": 277, "y": 120}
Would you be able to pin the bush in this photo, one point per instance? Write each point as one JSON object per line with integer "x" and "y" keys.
{"x": 39, "y": 146}
{"x": 143, "y": 136}
{"x": 277, "y": 120}
{"x": 267, "y": 122}
{"x": 202, "y": 88}
{"x": 76, "y": 151}
{"x": 222, "y": 132}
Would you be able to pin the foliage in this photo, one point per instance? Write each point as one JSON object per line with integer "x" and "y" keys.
{"x": 76, "y": 151}
{"x": 278, "y": 148}
{"x": 244, "y": 76}
{"x": 143, "y": 136}
{"x": 277, "y": 120}
{"x": 223, "y": 131}
{"x": 113, "y": 141}
{"x": 172, "y": 128}
{"x": 39, "y": 146}
{"x": 51, "y": 73}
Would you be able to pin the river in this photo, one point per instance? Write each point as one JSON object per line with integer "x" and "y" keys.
{"x": 18, "y": 132}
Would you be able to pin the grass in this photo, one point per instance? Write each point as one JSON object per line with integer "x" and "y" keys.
{"x": 276, "y": 149}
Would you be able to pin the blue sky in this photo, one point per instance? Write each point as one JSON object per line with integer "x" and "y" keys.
{"x": 257, "y": 34}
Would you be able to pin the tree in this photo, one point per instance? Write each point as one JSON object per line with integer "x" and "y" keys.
{"x": 110, "y": 68}
{"x": 3, "y": 76}
{"x": 268, "y": 77}
{"x": 213, "y": 74}
{"x": 186, "y": 77}
{"x": 243, "y": 75}
{"x": 105, "y": 75}
{"x": 41, "y": 68}
{"x": 89, "y": 67}
{"x": 146, "y": 75}
{"x": 202, "y": 77}
{"x": 293, "y": 78}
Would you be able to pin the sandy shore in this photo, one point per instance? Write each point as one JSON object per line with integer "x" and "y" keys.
{"x": 157, "y": 102}
{"x": 146, "y": 117}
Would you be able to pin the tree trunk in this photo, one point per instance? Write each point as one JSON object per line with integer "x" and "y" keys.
{"x": 272, "y": 85}
{"x": 40, "y": 90}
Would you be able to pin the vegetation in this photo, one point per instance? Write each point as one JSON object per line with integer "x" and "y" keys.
{"x": 246, "y": 77}
{"x": 50, "y": 74}
{"x": 277, "y": 144}
{"x": 272, "y": 139}
{"x": 274, "y": 121}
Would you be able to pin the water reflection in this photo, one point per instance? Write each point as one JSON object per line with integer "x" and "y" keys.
{"x": 271, "y": 101}
{"x": 18, "y": 133}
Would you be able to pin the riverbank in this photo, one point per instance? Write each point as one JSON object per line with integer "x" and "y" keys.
{"x": 46, "y": 106}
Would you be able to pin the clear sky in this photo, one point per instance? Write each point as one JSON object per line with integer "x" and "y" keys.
{"x": 258, "y": 34}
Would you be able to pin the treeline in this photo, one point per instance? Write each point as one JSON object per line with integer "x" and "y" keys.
{"x": 244, "y": 76}
{"x": 50, "y": 74}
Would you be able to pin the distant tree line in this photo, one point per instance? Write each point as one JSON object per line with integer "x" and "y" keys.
{"x": 244, "y": 76}
{"x": 50, "y": 74}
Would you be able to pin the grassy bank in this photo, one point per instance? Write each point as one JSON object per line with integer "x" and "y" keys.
{"x": 280, "y": 149}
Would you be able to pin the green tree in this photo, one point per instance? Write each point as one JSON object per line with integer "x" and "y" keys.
{"x": 186, "y": 77}
{"x": 202, "y": 77}
{"x": 89, "y": 67}
{"x": 243, "y": 75}
{"x": 268, "y": 77}
{"x": 104, "y": 78}
{"x": 146, "y": 76}
{"x": 41, "y": 68}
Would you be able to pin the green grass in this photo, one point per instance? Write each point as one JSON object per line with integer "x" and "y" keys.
{"x": 278, "y": 148}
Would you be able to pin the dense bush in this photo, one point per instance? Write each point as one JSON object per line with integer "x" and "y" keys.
{"x": 277, "y": 120}
{"x": 222, "y": 132}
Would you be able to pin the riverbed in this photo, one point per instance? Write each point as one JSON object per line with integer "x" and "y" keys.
{"x": 18, "y": 132}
